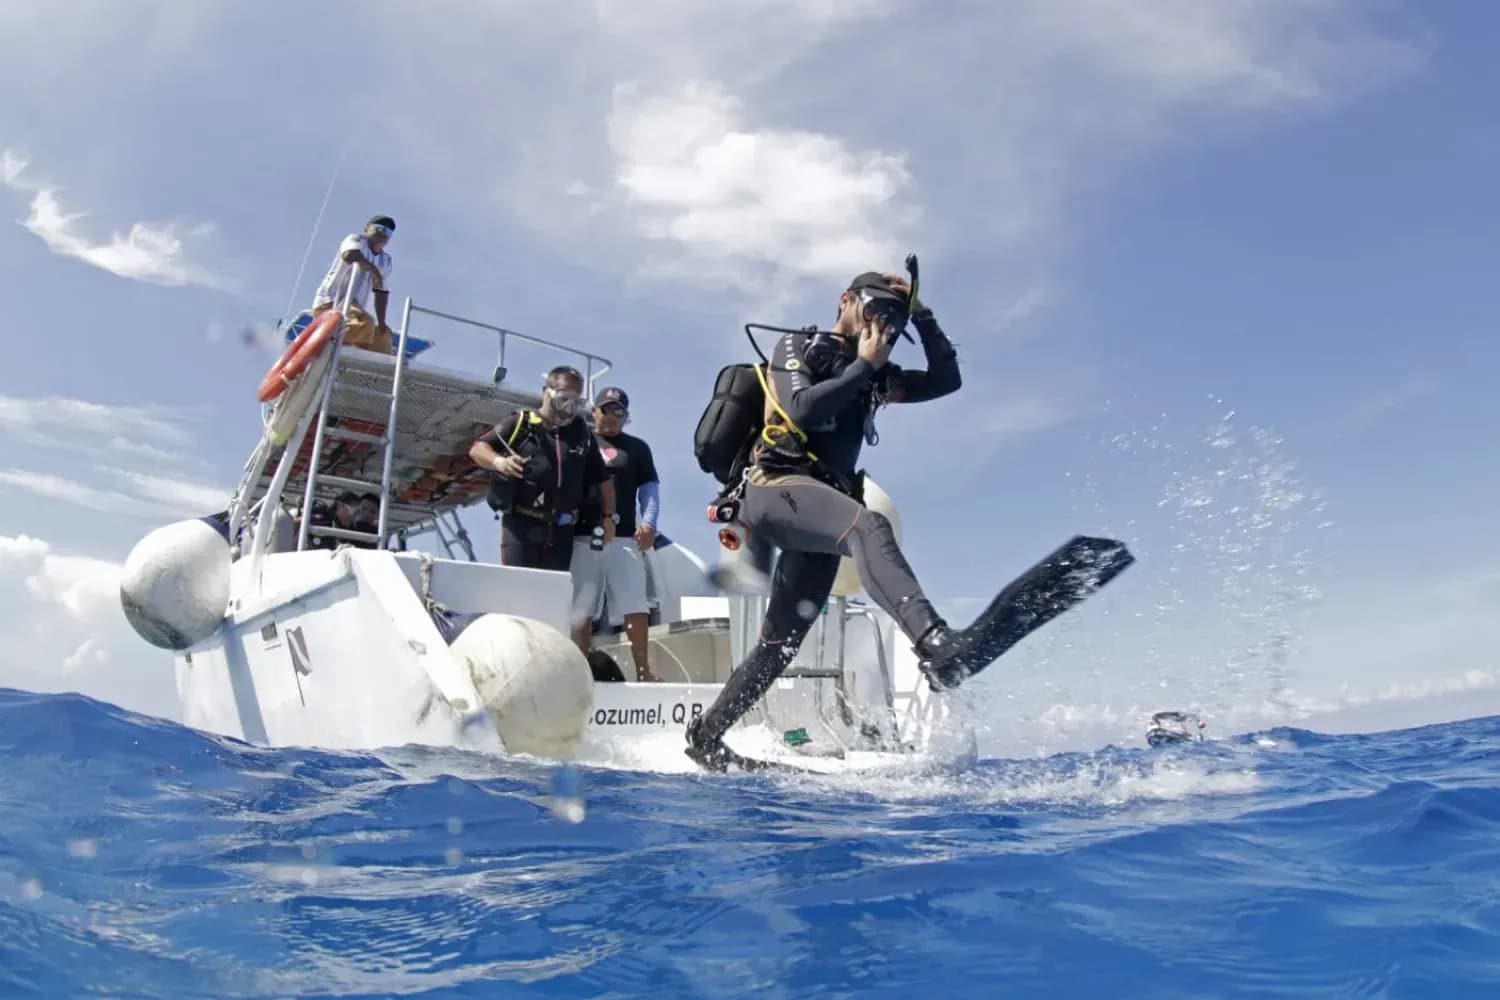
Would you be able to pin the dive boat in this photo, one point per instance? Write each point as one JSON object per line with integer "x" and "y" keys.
{"x": 371, "y": 643}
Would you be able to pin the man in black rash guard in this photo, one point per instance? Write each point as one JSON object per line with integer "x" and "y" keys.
{"x": 803, "y": 493}
{"x": 542, "y": 465}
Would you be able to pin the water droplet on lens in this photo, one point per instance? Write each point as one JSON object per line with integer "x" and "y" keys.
{"x": 567, "y": 794}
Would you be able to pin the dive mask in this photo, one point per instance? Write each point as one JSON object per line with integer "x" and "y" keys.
{"x": 884, "y": 305}
{"x": 565, "y": 404}
{"x": 887, "y": 311}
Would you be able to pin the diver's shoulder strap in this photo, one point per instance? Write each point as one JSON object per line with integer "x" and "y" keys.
{"x": 525, "y": 420}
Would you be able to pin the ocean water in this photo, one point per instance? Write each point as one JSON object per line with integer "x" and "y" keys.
{"x": 142, "y": 859}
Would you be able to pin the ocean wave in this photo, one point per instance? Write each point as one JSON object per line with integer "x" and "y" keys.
{"x": 140, "y": 858}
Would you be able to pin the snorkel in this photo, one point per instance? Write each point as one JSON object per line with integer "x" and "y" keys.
{"x": 900, "y": 316}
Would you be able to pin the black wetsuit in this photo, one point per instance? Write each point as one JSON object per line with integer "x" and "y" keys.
{"x": 813, "y": 510}
{"x": 541, "y": 509}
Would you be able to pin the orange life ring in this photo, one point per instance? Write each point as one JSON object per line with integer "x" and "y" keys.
{"x": 299, "y": 354}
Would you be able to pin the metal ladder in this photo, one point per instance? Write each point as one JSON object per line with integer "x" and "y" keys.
{"x": 451, "y": 536}
{"x": 324, "y": 431}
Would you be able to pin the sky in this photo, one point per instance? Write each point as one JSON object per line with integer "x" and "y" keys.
{"x": 1220, "y": 277}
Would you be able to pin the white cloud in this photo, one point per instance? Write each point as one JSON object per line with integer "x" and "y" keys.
{"x": 88, "y": 654}
{"x": 80, "y": 585}
{"x": 65, "y": 630}
{"x": 666, "y": 156}
{"x": 703, "y": 179}
{"x": 157, "y": 253}
{"x": 11, "y": 165}
{"x": 21, "y": 549}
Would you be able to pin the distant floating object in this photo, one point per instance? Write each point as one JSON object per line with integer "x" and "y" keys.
{"x": 1174, "y": 727}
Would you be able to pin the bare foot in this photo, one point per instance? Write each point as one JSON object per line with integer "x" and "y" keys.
{"x": 644, "y": 675}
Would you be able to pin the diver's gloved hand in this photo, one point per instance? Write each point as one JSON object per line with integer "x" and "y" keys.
{"x": 919, "y": 309}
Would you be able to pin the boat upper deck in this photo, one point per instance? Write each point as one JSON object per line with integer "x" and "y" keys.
{"x": 440, "y": 414}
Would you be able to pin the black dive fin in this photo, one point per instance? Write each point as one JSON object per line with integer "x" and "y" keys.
{"x": 1061, "y": 580}
{"x": 721, "y": 758}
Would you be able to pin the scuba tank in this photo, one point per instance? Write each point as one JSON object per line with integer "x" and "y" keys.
{"x": 730, "y": 422}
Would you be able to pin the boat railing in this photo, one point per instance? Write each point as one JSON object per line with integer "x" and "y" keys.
{"x": 591, "y": 366}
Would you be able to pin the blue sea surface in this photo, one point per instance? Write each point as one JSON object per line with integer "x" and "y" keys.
{"x": 142, "y": 859}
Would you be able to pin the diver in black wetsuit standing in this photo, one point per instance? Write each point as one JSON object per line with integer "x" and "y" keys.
{"x": 803, "y": 494}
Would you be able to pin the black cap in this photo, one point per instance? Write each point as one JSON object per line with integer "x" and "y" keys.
{"x": 876, "y": 282}
{"x": 613, "y": 394}
{"x": 382, "y": 220}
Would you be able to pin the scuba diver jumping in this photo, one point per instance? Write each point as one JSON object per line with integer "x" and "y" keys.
{"x": 784, "y": 439}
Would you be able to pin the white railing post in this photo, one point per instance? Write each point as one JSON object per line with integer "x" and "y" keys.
{"x": 309, "y": 493}
{"x": 390, "y": 423}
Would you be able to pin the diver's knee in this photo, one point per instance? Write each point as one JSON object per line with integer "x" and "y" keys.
{"x": 872, "y": 522}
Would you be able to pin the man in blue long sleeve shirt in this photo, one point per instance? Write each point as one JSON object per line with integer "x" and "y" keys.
{"x": 616, "y": 575}
{"x": 803, "y": 493}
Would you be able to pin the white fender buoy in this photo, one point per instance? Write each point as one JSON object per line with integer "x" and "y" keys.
{"x": 848, "y": 583}
{"x": 534, "y": 682}
{"x": 174, "y": 586}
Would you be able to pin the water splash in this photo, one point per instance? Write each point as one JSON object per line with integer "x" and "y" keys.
{"x": 1228, "y": 535}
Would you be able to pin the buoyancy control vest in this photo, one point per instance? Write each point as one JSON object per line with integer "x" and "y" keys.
{"x": 506, "y": 493}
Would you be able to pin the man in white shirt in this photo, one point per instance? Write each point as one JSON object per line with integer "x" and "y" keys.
{"x": 361, "y": 257}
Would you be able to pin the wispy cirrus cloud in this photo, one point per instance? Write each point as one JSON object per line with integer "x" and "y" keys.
{"x": 178, "y": 494}
{"x": 159, "y": 253}
{"x": 1372, "y": 409}
{"x": 113, "y": 434}
{"x": 147, "y": 496}
{"x": 81, "y": 417}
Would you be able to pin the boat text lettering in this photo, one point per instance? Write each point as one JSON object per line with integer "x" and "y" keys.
{"x": 653, "y": 716}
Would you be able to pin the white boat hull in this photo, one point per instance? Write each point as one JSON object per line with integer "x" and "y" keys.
{"x": 337, "y": 650}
